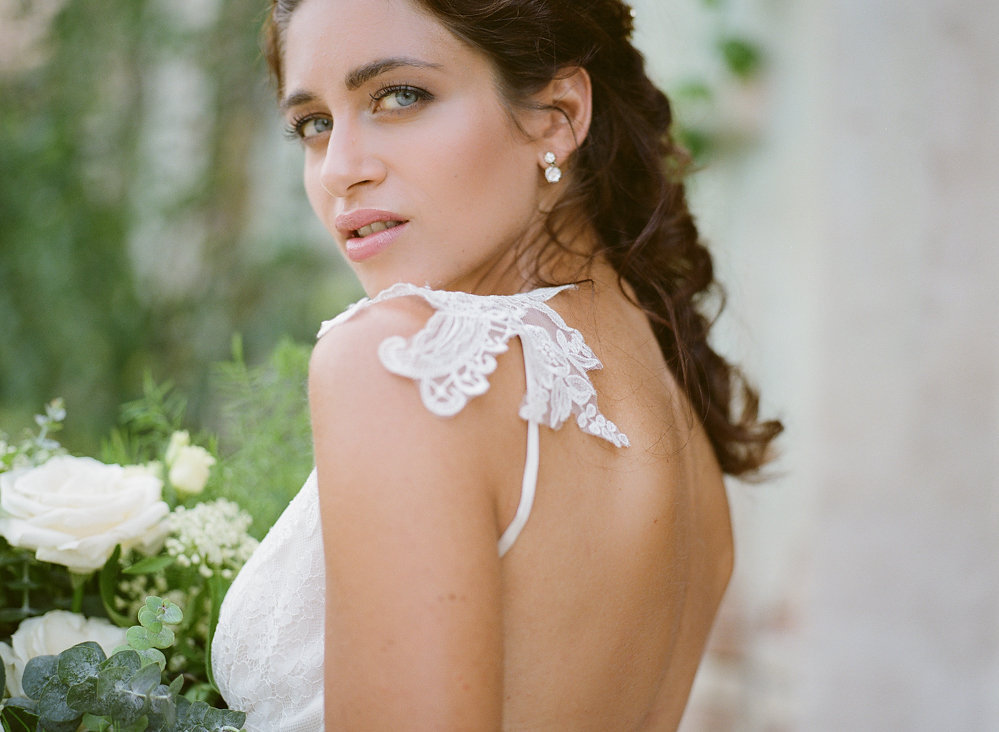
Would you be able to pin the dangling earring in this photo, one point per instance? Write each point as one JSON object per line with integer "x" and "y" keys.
{"x": 553, "y": 173}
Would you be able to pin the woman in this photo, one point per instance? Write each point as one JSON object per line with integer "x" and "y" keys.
{"x": 461, "y": 558}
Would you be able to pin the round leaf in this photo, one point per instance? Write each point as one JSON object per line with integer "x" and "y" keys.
{"x": 150, "y": 619}
{"x": 52, "y": 706}
{"x": 138, "y": 638}
{"x": 127, "y": 659}
{"x": 83, "y": 696}
{"x": 37, "y": 674}
{"x": 80, "y": 662}
{"x": 163, "y": 639}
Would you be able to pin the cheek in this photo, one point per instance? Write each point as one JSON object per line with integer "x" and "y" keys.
{"x": 318, "y": 198}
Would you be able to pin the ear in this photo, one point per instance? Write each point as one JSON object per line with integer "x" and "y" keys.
{"x": 568, "y": 109}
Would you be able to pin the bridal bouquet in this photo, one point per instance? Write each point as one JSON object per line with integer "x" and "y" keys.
{"x": 87, "y": 548}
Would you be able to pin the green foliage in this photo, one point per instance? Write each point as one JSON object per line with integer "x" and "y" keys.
{"x": 121, "y": 693}
{"x": 92, "y": 226}
{"x": 145, "y": 424}
{"x": 29, "y": 587}
{"x": 742, "y": 57}
{"x": 264, "y": 430}
{"x": 698, "y": 101}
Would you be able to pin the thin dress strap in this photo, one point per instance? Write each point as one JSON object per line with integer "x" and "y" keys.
{"x": 527, "y": 490}
{"x": 452, "y": 356}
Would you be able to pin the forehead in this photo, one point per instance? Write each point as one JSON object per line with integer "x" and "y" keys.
{"x": 336, "y": 36}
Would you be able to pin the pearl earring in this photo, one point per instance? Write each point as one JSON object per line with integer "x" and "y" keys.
{"x": 553, "y": 173}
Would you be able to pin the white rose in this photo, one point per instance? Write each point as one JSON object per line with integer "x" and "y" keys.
{"x": 74, "y": 510}
{"x": 51, "y": 634}
{"x": 188, "y": 464}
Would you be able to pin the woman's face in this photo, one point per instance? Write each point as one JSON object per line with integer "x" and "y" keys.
{"x": 411, "y": 160}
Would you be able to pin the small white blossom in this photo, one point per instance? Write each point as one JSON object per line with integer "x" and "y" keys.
{"x": 212, "y": 536}
{"x": 188, "y": 465}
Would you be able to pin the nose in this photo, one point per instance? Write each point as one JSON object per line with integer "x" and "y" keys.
{"x": 348, "y": 163}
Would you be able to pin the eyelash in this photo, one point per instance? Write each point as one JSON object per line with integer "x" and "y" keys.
{"x": 422, "y": 95}
{"x": 294, "y": 129}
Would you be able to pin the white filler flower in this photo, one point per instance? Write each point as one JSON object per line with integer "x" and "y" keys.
{"x": 51, "y": 634}
{"x": 74, "y": 510}
{"x": 188, "y": 464}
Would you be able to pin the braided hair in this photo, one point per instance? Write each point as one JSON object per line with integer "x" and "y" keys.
{"x": 627, "y": 182}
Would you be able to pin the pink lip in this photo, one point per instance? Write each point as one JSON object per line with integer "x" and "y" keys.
{"x": 360, "y": 248}
{"x": 348, "y": 223}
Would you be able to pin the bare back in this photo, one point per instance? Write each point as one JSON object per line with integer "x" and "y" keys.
{"x": 610, "y": 592}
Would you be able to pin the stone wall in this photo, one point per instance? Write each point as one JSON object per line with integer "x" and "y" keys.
{"x": 858, "y": 239}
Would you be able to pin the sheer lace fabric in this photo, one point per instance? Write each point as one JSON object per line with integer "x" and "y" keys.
{"x": 267, "y": 654}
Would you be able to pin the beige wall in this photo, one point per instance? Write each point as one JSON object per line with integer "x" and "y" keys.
{"x": 858, "y": 237}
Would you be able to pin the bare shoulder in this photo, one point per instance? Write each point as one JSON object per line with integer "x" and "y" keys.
{"x": 408, "y": 511}
{"x": 353, "y": 396}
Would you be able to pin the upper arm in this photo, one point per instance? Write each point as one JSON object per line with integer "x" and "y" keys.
{"x": 413, "y": 613}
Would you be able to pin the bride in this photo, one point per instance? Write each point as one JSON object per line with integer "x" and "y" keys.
{"x": 517, "y": 518}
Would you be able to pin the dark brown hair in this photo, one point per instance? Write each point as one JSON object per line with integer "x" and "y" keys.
{"x": 627, "y": 178}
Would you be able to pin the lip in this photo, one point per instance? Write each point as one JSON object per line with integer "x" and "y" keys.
{"x": 360, "y": 248}
{"x": 347, "y": 223}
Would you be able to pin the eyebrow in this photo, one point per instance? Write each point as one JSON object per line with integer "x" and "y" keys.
{"x": 363, "y": 74}
{"x": 360, "y": 76}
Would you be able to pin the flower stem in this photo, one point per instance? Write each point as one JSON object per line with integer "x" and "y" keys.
{"x": 25, "y": 578}
{"x": 79, "y": 582}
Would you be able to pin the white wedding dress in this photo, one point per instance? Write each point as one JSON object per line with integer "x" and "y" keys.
{"x": 267, "y": 653}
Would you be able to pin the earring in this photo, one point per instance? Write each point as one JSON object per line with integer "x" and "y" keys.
{"x": 553, "y": 173}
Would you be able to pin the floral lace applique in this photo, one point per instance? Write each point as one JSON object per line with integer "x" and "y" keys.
{"x": 452, "y": 356}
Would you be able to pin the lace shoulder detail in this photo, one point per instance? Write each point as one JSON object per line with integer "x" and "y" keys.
{"x": 452, "y": 356}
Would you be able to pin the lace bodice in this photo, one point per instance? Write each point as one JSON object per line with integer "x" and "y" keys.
{"x": 267, "y": 654}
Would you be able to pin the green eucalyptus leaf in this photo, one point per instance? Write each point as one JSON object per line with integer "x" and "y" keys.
{"x": 48, "y": 725}
{"x": 138, "y": 638}
{"x": 127, "y": 659}
{"x": 125, "y": 706}
{"x": 224, "y": 719}
{"x": 80, "y": 662}
{"x": 148, "y": 565}
{"x": 163, "y": 639}
{"x": 192, "y": 713}
{"x": 110, "y": 680}
{"x": 37, "y": 674}
{"x": 3, "y": 680}
{"x": 83, "y": 696}
{"x": 145, "y": 680}
{"x": 153, "y": 657}
{"x": 172, "y": 613}
{"x": 166, "y": 611}
{"x": 150, "y": 619}
{"x": 176, "y": 685}
{"x": 163, "y": 707}
{"x": 52, "y": 706}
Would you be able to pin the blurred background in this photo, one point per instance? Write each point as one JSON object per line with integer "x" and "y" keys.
{"x": 150, "y": 210}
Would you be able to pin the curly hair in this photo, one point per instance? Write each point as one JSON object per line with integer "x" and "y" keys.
{"x": 627, "y": 181}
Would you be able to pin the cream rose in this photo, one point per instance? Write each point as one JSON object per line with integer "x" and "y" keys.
{"x": 188, "y": 464}
{"x": 74, "y": 510}
{"x": 51, "y": 634}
